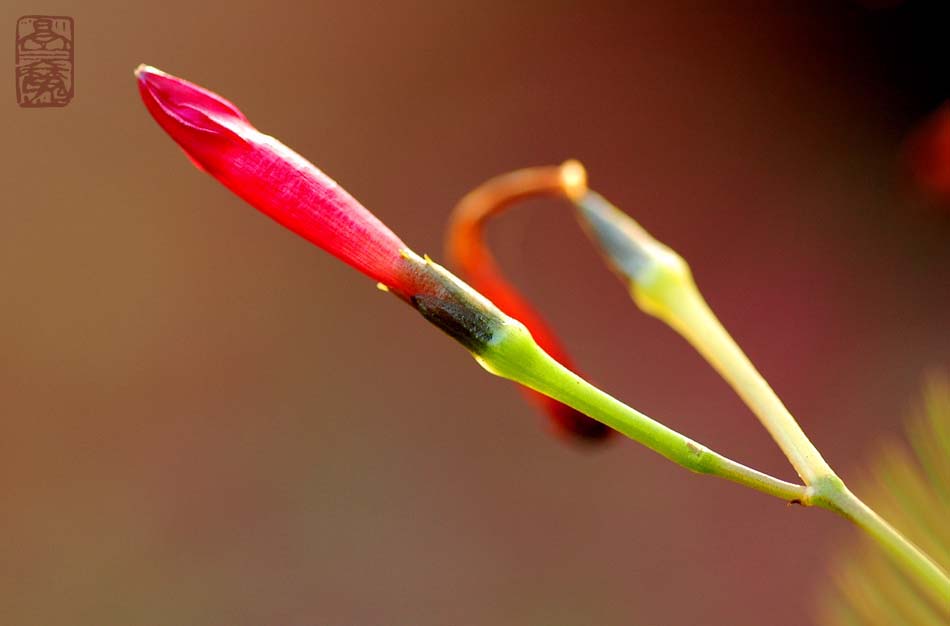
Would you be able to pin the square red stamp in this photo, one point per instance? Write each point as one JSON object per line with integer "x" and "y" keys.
{"x": 45, "y": 60}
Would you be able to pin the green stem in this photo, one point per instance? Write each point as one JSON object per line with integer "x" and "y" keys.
{"x": 662, "y": 285}
{"x": 677, "y": 301}
{"x": 832, "y": 494}
{"x": 687, "y": 312}
{"x": 513, "y": 354}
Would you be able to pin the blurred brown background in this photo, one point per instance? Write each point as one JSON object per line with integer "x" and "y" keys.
{"x": 205, "y": 420}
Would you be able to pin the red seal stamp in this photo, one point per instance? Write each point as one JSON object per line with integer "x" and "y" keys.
{"x": 45, "y": 60}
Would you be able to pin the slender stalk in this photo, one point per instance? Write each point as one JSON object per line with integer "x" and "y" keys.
{"x": 513, "y": 354}
{"x": 832, "y": 494}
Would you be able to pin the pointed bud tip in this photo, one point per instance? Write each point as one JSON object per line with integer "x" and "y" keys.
{"x": 143, "y": 70}
{"x": 186, "y": 103}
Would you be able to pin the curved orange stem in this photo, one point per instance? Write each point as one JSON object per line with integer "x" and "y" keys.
{"x": 467, "y": 250}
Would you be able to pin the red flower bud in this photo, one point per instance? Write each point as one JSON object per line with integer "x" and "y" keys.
{"x": 274, "y": 179}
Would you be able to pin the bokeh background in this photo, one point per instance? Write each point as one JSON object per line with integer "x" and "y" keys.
{"x": 205, "y": 420}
